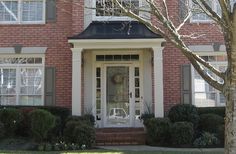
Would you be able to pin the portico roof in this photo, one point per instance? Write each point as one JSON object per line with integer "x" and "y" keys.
{"x": 116, "y": 30}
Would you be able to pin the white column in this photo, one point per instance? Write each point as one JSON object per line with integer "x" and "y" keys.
{"x": 76, "y": 81}
{"x": 158, "y": 82}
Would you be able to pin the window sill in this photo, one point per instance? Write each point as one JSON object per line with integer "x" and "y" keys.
{"x": 23, "y": 23}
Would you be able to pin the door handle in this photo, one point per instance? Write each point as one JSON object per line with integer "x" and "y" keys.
{"x": 130, "y": 94}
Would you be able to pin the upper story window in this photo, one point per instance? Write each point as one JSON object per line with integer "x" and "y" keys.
{"x": 199, "y": 16}
{"x": 22, "y": 11}
{"x": 108, "y": 9}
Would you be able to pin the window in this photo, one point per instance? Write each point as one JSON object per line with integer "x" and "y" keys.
{"x": 204, "y": 94}
{"x": 199, "y": 16}
{"x": 21, "y": 81}
{"x": 108, "y": 8}
{"x": 22, "y": 11}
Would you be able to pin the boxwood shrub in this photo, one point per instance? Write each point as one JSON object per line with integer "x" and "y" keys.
{"x": 210, "y": 122}
{"x": 42, "y": 122}
{"x": 184, "y": 112}
{"x": 214, "y": 110}
{"x": 158, "y": 131}
{"x": 80, "y": 132}
{"x": 11, "y": 118}
{"x": 182, "y": 133}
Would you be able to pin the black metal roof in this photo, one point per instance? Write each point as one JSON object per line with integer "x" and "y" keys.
{"x": 116, "y": 30}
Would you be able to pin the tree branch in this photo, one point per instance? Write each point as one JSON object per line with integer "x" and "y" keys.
{"x": 176, "y": 40}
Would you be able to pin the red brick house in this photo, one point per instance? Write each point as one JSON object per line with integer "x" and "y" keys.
{"x": 59, "y": 52}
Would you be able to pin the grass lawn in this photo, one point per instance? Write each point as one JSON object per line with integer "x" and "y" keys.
{"x": 110, "y": 152}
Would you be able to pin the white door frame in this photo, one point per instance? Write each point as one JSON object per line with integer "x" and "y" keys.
{"x": 132, "y": 65}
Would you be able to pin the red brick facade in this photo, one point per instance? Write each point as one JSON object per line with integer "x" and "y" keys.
{"x": 70, "y": 21}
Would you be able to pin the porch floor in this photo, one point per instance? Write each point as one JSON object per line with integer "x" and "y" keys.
{"x": 120, "y": 136}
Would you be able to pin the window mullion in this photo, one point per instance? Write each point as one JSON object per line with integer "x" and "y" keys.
{"x": 18, "y": 79}
{"x": 19, "y": 11}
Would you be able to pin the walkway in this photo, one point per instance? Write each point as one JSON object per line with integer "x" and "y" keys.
{"x": 150, "y": 148}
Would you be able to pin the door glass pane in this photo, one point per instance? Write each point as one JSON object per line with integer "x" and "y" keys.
{"x": 118, "y": 95}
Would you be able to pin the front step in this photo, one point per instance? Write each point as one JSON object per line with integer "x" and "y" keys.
{"x": 120, "y": 136}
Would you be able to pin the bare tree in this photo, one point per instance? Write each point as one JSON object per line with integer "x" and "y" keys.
{"x": 165, "y": 26}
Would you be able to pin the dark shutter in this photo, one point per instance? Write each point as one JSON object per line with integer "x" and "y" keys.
{"x": 183, "y": 9}
{"x": 50, "y": 75}
{"x": 186, "y": 84}
{"x": 51, "y": 11}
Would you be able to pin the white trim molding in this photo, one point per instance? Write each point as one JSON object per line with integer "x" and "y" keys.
{"x": 116, "y": 43}
{"x": 24, "y": 50}
{"x": 76, "y": 81}
{"x": 206, "y": 48}
{"x": 158, "y": 81}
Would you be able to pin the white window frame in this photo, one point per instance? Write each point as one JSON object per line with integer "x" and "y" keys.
{"x": 214, "y": 7}
{"x": 18, "y": 68}
{"x": 218, "y": 63}
{"x": 20, "y": 12}
{"x": 110, "y": 18}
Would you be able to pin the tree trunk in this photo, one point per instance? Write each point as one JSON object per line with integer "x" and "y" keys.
{"x": 230, "y": 90}
{"x": 230, "y": 127}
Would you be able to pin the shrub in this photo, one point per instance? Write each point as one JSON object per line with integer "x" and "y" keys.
{"x": 184, "y": 112}
{"x": 182, "y": 133}
{"x": 206, "y": 140}
{"x": 146, "y": 116}
{"x": 55, "y": 134}
{"x": 158, "y": 131}
{"x": 41, "y": 122}
{"x": 11, "y": 118}
{"x": 215, "y": 110}
{"x": 79, "y": 132}
{"x": 210, "y": 122}
{"x": 2, "y": 130}
{"x": 87, "y": 118}
{"x": 220, "y": 134}
{"x": 24, "y": 126}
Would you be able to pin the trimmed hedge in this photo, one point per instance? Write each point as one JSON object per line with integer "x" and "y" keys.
{"x": 11, "y": 118}
{"x": 214, "y": 110}
{"x": 210, "y": 122}
{"x": 184, "y": 112}
{"x": 182, "y": 133}
{"x": 79, "y": 132}
{"x": 42, "y": 122}
{"x": 158, "y": 131}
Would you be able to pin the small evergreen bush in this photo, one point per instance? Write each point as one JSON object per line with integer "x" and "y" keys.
{"x": 206, "y": 140}
{"x": 184, "y": 112}
{"x": 210, "y": 122}
{"x": 2, "y": 130}
{"x": 182, "y": 133}
{"x": 11, "y": 118}
{"x": 42, "y": 122}
{"x": 79, "y": 132}
{"x": 87, "y": 118}
{"x": 158, "y": 131}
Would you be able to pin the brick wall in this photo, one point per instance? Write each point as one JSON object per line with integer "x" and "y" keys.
{"x": 70, "y": 21}
{"x": 52, "y": 35}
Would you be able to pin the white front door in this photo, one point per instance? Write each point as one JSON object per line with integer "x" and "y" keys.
{"x": 119, "y": 95}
